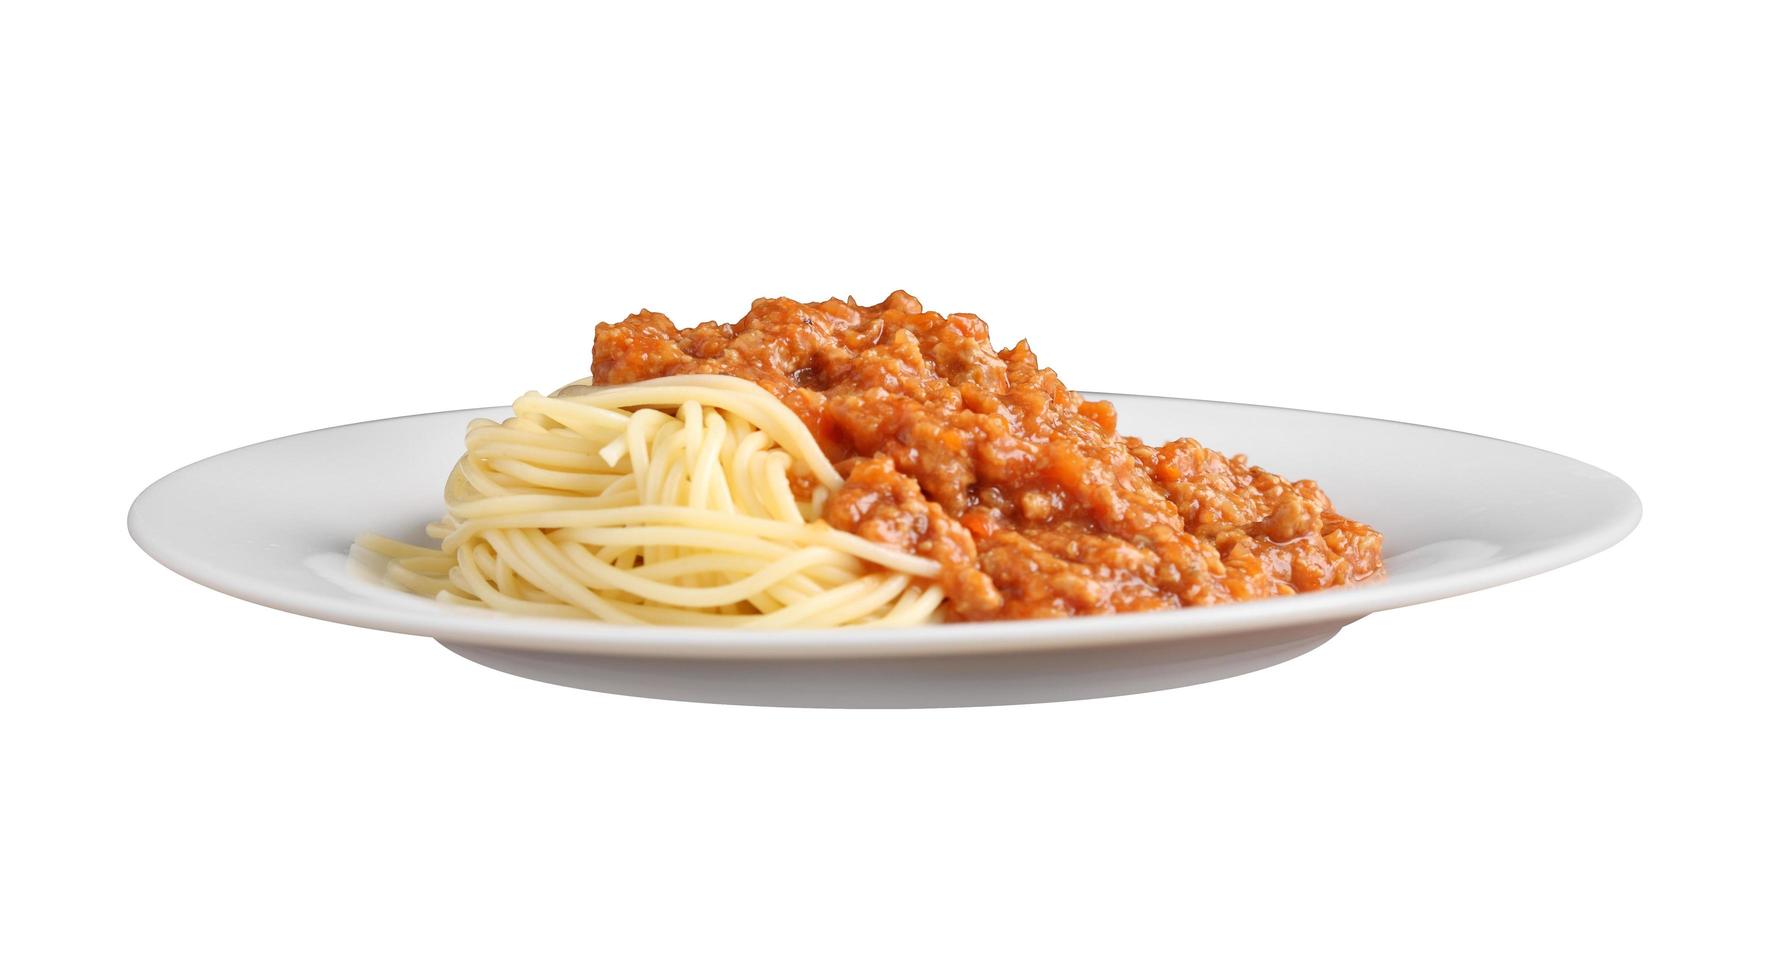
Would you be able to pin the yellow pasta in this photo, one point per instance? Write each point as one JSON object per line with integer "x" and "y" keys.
{"x": 667, "y": 502}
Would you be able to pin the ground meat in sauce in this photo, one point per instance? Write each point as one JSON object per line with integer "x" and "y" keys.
{"x": 980, "y": 459}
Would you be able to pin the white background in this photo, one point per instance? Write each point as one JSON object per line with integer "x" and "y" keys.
{"x": 1539, "y": 221}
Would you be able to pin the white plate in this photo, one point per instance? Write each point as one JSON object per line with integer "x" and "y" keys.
{"x": 271, "y": 523}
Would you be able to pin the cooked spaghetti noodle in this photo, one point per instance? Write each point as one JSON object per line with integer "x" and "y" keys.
{"x": 670, "y": 501}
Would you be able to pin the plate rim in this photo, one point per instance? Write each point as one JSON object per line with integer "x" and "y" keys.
{"x": 1340, "y": 605}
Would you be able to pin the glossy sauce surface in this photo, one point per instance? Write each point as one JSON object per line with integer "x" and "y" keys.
{"x": 1021, "y": 489}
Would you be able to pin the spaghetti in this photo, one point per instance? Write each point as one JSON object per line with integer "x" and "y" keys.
{"x": 670, "y": 501}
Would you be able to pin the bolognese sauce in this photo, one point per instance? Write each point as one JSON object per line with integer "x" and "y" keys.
{"x": 1024, "y": 491}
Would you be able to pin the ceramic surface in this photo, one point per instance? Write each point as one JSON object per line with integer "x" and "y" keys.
{"x": 272, "y": 523}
